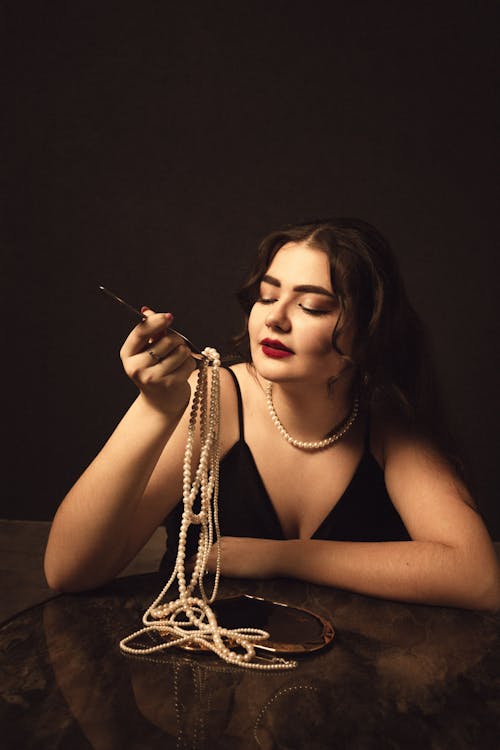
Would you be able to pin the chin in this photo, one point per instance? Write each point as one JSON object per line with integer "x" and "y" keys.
{"x": 274, "y": 370}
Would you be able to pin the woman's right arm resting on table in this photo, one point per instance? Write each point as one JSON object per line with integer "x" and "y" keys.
{"x": 117, "y": 504}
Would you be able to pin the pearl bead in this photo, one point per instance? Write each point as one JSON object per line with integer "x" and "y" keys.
{"x": 189, "y": 619}
{"x": 311, "y": 445}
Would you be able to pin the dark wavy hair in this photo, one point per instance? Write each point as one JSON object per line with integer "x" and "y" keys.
{"x": 391, "y": 359}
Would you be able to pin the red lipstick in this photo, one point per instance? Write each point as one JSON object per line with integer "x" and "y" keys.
{"x": 275, "y": 349}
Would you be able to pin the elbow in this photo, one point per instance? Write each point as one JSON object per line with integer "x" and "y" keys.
{"x": 59, "y": 585}
{"x": 57, "y": 581}
{"x": 70, "y": 571}
{"x": 484, "y": 593}
{"x": 475, "y": 577}
{"x": 66, "y": 584}
{"x": 489, "y": 601}
{"x": 53, "y": 576}
{"x": 63, "y": 580}
{"x": 58, "y": 573}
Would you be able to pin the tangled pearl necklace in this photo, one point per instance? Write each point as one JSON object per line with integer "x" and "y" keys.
{"x": 189, "y": 620}
{"x": 315, "y": 445}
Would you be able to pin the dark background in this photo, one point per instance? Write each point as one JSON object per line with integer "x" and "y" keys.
{"x": 149, "y": 147}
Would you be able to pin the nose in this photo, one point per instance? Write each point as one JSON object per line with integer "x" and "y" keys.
{"x": 278, "y": 318}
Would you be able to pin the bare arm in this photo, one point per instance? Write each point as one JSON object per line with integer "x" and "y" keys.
{"x": 421, "y": 572}
{"x": 97, "y": 529}
{"x": 450, "y": 560}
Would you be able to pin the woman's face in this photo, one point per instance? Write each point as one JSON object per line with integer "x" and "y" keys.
{"x": 292, "y": 322}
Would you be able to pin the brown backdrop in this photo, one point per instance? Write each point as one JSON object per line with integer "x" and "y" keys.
{"x": 150, "y": 145}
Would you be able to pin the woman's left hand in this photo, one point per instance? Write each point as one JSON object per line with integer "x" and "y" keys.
{"x": 245, "y": 557}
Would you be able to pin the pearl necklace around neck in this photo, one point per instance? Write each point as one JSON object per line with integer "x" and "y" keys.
{"x": 189, "y": 620}
{"x": 315, "y": 445}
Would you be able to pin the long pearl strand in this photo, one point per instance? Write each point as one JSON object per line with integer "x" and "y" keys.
{"x": 315, "y": 445}
{"x": 189, "y": 620}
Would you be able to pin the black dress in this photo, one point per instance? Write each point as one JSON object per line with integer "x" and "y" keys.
{"x": 364, "y": 513}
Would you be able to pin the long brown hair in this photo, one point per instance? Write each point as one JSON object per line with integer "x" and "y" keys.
{"x": 391, "y": 359}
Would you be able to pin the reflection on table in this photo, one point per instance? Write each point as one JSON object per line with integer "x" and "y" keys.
{"x": 395, "y": 676}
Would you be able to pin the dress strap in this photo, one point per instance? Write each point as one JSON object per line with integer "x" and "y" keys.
{"x": 240, "y": 402}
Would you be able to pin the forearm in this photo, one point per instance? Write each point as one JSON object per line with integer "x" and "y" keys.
{"x": 416, "y": 571}
{"x": 88, "y": 539}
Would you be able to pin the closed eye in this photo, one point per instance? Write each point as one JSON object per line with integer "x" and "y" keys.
{"x": 313, "y": 311}
{"x": 308, "y": 310}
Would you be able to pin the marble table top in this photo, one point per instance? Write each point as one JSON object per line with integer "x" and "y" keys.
{"x": 395, "y": 676}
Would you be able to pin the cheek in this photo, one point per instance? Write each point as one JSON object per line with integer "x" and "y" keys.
{"x": 323, "y": 345}
{"x": 317, "y": 339}
{"x": 324, "y": 338}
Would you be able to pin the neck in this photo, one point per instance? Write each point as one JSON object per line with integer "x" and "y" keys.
{"x": 310, "y": 413}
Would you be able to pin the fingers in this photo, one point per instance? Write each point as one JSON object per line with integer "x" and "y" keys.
{"x": 150, "y": 345}
{"x": 176, "y": 363}
{"x": 161, "y": 362}
{"x": 163, "y": 346}
{"x": 153, "y": 327}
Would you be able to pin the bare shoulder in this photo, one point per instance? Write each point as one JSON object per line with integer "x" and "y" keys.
{"x": 427, "y": 491}
{"x": 247, "y": 379}
{"x": 392, "y": 439}
{"x": 250, "y": 388}
{"x": 243, "y": 371}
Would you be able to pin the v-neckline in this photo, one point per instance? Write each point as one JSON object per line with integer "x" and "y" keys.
{"x": 269, "y": 503}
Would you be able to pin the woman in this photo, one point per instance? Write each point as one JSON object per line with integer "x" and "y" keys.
{"x": 335, "y": 350}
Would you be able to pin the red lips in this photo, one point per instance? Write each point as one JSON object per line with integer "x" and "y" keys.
{"x": 275, "y": 349}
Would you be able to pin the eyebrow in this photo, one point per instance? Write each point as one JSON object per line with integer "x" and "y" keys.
{"x": 300, "y": 288}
